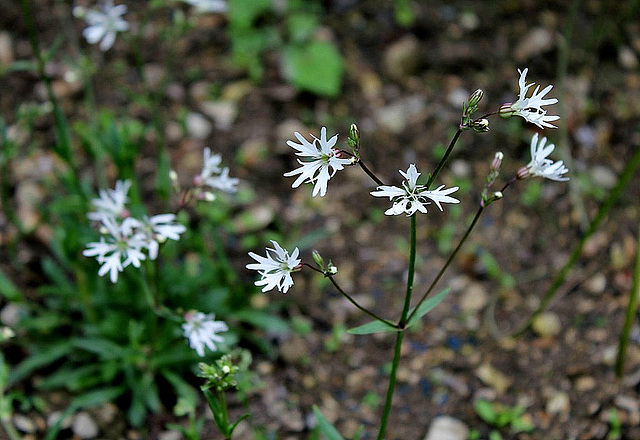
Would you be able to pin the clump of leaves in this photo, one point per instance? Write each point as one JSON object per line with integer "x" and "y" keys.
{"x": 501, "y": 417}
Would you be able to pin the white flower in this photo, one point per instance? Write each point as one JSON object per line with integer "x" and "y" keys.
{"x": 540, "y": 165}
{"x": 153, "y": 231}
{"x": 210, "y": 164}
{"x": 320, "y": 161}
{"x": 119, "y": 245}
{"x": 202, "y": 330}
{"x": 223, "y": 182}
{"x": 275, "y": 269}
{"x": 413, "y": 197}
{"x": 103, "y": 25}
{"x": 204, "y": 6}
{"x": 111, "y": 201}
{"x": 531, "y": 108}
{"x": 213, "y": 175}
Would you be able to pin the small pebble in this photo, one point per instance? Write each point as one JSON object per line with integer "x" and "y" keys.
{"x": 447, "y": 428}
{"x": 84, "y": 426}
{"x": 547, "y": 325}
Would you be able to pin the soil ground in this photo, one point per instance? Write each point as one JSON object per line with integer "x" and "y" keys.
{"x": 403, "y": 87}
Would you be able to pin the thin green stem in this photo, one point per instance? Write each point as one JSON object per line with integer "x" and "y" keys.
{"x": 400, "y": 335}
{"x": 369, "y": 173}
{"x": 358, "y": 306}
{"x": 606, "y": 206}
{"x": 630, "y": 317}
{"x": 225, "y": 413}
{"x": 449, "y": 260}
{"x": 392, "y": 385}
{"x": 444, "y": 158}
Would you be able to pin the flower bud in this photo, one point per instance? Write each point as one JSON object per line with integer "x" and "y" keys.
{"x": 354, "y": 133}
{"x": 318, "y": 259}
{"x": 506, "y": 111}
{"x": 207, "y": 196}
{"x": 523, "y": 173}
{"x": 332, "y": 270}
{"x": 354, "y": 138}
{"x": 475, "y": 98}
{"x": 497, "y": 161}
{"x": 480, "y": 125}
{"x": 173, "y": 176}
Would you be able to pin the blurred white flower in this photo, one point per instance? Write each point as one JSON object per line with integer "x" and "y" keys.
{"x": 213, "y": 175}
{"x": 531, "y": 108}
{"x": 412, "y": 197}
{"x": 275, "y": 269}
{"x": 118, "y": 245}
{"x": 320, "y": 161}
{"x": 223, "y": 182}
{"x": 111, "y": 201}
{"x": 540, "y": 165}
{"x": 205, "y": 6}
{"x": 104, "y": 24}
{"x": 153, "y": 231}
{"x": 202, "y": 330}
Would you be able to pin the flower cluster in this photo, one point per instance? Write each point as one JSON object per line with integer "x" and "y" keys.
{"x": 320, "y": 161}
{"x": 103, "y": 24}
{"x": 202, "y": 330}
{"x": 412, "y": 197}
{"x": 124, "y": 238}
{"x": 531, "y": 108}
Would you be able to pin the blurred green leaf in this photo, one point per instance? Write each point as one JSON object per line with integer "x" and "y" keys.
{"x": 264, "y": 320}
{"x": 301, "y": 26}
{"x": 42, "y": 358}
{"x": 316, "y": 67}
{"x": 326, "y": 428}
{"x": 9, "y": 290}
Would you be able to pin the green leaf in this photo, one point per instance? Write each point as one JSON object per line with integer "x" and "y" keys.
{"x": 427, "y": 306}
{"x": 242, "y": 13}
{"x": 9, "y": 290}
{"x": 301, "y": 26}
{"x": 316, "y": 67}
{"x": 266, "y": 321}
{"x": 372, "y": 327}
{"x": 104, "y": 348}
{"x": 326, "y": 428}
{"x": 485, "y": 411}
{"x": 39, "y": 360}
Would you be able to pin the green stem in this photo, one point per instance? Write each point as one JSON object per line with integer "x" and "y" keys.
{"x": 369, "y": 173}
{"x": 444, "y": 158}
{"x": 632, "y": 307}
{"x": 606, "y": 206}
{"x": 449, "y": 260}
{"x": 392, "y": 385}
{"x": 400, "y": 334}
{"x": 355, "y": 303}
{"x": 225, "y": 414}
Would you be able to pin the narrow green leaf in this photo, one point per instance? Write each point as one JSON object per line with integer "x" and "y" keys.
{"x": 39, "y": 360}
{"x": 104, "y": 348}
{"x": 326, "y": 428}
{"x": 9, "y": 290}
{"x": 266, "y": 321}
{"x": 426, "y": 306}
{"x": 372, "y": 327}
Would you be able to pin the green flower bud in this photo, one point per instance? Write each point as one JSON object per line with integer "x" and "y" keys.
{"x": 475, "y": 98}
{"x": 318, "y": 259}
